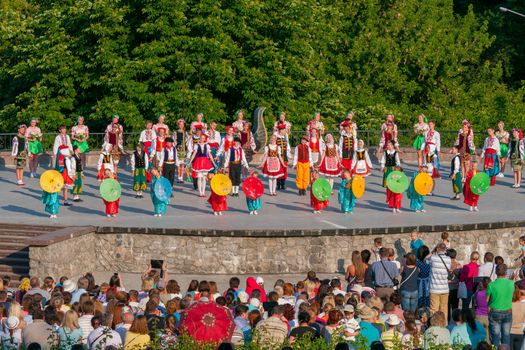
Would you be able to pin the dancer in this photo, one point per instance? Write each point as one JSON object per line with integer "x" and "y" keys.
{"x": 417, "y": 201}
{"x": 19, "y": 152}
{"x": 202, "y": 163}
{"x": 388, "y": 133}
{"x": 234, "y": 161}
{"x": 315, "y": 203}
{"x": 218, "y": 203}
{"x": 238, "y": 125}
{"x": 192, "y": 145}
{"x": 504, "y": 139}
{"x": 517, "y": 149}
{"x": 34, "y": 145}
{"x": 361, "y": 163}
{"x": 159, "y": 207}
{"x": 168, "y": 161}
{"x": 198, "y": 123}
{"x": 389, "y": 162}
{"x": 51, "y": 203}
{"x": 80, "y": 137}
{"x": 316, "y": 143}
{"x": 273, "y": 164}
{"x": 182, "y": 148}
{"x": 455, "y": 173}
{"x": 330, "y": 162}
{"x": 227, "y": 141}
{"x": 353, "y": 126}
{"x": 470, "y": 198}
{"x": 247, "y": 144}
{"x": 430, "y": 150}
{"x": 112, "y": 208}
{"x": 113, "y": 136}
{"x": 347, "y": 146}
{"x": 78, "y": 177}
{"x": 63, "y": 165}
{"x": 147, "y": 138}
{"x": 254, "y": 204}
{"x": 214, "y": 141}
{"x": 160, "y": 144}
{"x": 346, "y": 196}
{"x": 282, "y": 120}
{"x": 302, "y": 161}
{"x": 161, "y": 125}
{"x": 105, "y": 161}
{"x": 285, "y": 147}
{"x": 420, "y": 129}
{"x": 491, "y": 154}
{"x": 466, "y": 147}
{"x": 315, "y": 123}
{"x": 139, "y": 163}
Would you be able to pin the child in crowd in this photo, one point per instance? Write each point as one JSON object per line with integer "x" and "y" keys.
{"x": 522, "y": 248}
{"x": 516, "y": 151}
{"x": 254, "y": 204}
{"x": 159, "y": 207}
{"x": 445, "y": 239}
{"x": 350, "y": 324}
{"x": 52, "y": 205}
{"x": 78, "y": 175}
{"x": 417, "y": 201}
{"x": 378, "y": 244}
{"x": 19, "y": 151}
{"x": 218, "y": 203}
{"x": 470, "y": 198}
{"x": 316, "y": 204}
{"x": 139, "y": 163}
{"x": 415, "y": 241}
{"x": 455, "y": 173}
{"x": 346, "y": 196}
{"x": 111, "y": 207}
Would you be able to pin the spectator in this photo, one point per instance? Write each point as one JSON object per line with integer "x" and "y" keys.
{"x": 423, "y": 279}
{"x": 440, "y": 265}
{"x": 467, "y": 275}
{"x": 70, "y": 332}
{"x": 499, "y": 297}
{"x": 34, "y": 282}
{"x": 488, "y": 268}
{"x": 273, "y": 330}
{"x": 137, "y": 337}
{"x": 368, "y": 331}
{"x": 38, "y": 331}
{"x": 84, "y": 321}
{"x": 391, "y": 336}
{"x": 242, "y": 325}
{"x": 82, "y": 286}
{"x": 518, "y": 316}
{"x": 475, "y": 329}
{"x": 333, "y": 326}
{"x": 102, "y": 336}
{"x": 437, "y": 333}
{"x": 411, "y": 338}
{"x": 459, "y": 333}
{"x": 453, "y": 284}
{"x": 385, "y": 274}
{"x": 154, "y": 318}
{"x": 123, "y": 328}
{"x": 287, "y": 297}
{"x": 355, "y": 272}
{"x": 168, "y": 336}
{"x": 304, "y": 330}
{"x": 12, "y": 336}
{"x": 408, "y": 285}
{"x": 481, "y": 306}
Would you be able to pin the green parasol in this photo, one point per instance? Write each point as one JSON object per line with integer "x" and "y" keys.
{"x": 480, "y": 183}
{"x": 321, "y": 189}
{"x": 397, "y": 182}
{"x": 110, "y": 190}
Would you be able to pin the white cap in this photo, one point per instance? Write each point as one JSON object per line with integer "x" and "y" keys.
{"x": 392, "y": 320}
{"x": 243, "y": 297}
{"x": 12, "y": 322}
{"x": 259, "y": 280}
{"x": 69, "y": 286}
{"x": 255, "y": 302}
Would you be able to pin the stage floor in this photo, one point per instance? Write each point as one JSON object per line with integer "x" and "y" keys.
{"x": 286, "y": 211}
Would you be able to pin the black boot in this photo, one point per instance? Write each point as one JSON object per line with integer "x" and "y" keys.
{"x": 195, "y": 186}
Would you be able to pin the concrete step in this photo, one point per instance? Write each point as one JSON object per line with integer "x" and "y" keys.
{"x": 22, "y": 253}
{"x": 13, "y": 239}
{"x": 9, "y": 245}
{"x": 15, "y": 268}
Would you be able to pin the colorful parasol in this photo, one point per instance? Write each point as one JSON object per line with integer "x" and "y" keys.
{"x": 423, "y": 183}
{"x": 51, "y": 181}
{"x": 480, "y": 183}
{"x": 221, "y": 184}
{"x": 358, "y": 186}
{"x": 162, "y": 189}
{"x": 207, "y": 322}
{"x": 397, "y": 182}
{"x": 252, "y": 187}
{"x": 321, "y": 189}
{"x": 110, "y": 190}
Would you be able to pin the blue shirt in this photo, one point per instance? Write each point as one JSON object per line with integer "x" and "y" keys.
{"x": 369, "y": 332}
{"x": 383, "y": 271}
{"x": 415, "y": 245}
{"x": 76, "y": 295}
{"x": 478, "y": 335}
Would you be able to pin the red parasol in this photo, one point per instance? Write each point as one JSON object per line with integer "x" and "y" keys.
{"x": 252, "y": 187}
{"x": 207, "y": 322}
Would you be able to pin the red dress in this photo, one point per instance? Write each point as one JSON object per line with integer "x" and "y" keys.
{"x": 330, "y": 166}
{"x": 218, "y": 203}
{"x": 393, "y": 199}
{"x": 471, "y": 199}
{"x": 112, "y": 207}
{"x": 316, "y": 204}
{"x": 272, "y": 166}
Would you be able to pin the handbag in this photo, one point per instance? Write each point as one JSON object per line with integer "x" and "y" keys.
{"x": 450, "y": 273}
{"x": 395, "y": 281}
{"x": 462, "y": 290}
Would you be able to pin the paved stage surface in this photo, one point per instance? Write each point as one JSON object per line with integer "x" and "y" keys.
{"x": 285, "y": 211}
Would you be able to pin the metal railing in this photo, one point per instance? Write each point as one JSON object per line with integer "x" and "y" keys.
{"x": 370, "y": 137}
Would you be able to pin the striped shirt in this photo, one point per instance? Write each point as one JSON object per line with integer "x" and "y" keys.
{"x": 439, "y": 273}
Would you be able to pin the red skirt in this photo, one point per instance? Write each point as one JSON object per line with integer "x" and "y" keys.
{"x": 316, "y": 204}
{"x": 147, "y": 146}
{"x": 470, "y": 198}
{"x": 100, "y": 174}
{"x": 202, "y": 165}
{"x": 435, "y": 173}
{"x": 67, "y": 180}
{"x": 393, "y": 199}
{"x": 218, "y": 203}
{"x": 333, "y": 171}
{"x": 112, "y": 207}
{"x": 273, "y": 168}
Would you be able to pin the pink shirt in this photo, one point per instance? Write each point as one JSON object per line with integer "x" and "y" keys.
{"x": 468, "y": 272}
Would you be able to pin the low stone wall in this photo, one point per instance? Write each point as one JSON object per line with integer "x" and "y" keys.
{"x": 245, "y": 252}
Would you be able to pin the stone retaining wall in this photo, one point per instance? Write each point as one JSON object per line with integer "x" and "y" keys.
{"x": 271, "y": 252}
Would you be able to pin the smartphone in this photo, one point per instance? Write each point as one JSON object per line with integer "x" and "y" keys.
{"x": 156, "y": 264}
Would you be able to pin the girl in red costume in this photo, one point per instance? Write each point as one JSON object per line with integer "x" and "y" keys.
{"x": 111, "y": 207}
{"x": 471, "y": 199}
{"x": 218, "y": 203}
{"x": 316, "y": 204}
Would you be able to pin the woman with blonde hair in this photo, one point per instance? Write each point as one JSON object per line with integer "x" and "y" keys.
{"x": 137, "y": 337}
{"x": 16, "y": 310}
{"x": 70, "y": 332}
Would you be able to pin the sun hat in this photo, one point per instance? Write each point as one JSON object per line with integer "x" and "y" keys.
{"x": 243, "y": 297}
{"x": 393, "y": 320}
{"x": 69, "y": 286}
{"x": 12, "y": 322}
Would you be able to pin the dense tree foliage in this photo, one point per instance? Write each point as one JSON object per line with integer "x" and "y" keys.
{"x": 140, "y": 58}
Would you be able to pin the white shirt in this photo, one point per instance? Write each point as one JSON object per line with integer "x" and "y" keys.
{"x": 288, "y": 145}
{"x": 383, "y": 158}
{"x": 172, "y": 154}
{"x": 243, "y": 161}
{"x": 351, "y": 135}
{"x": 433, "y": 139}
{"x": 106, "y": 165}
{"x": 214, "y": 137}
{"x": 84, "y": 322}
{"x": 296, "y": 155}
{"x": 491, "y": 143}
{"x": 62, "y": 140}
{"x": 102, "y": 337}
{"x": 147, "y": 137}
{"x": 132, "y": 161}
{"x": 486, "y": 270}
{"x": 439, "y": 274}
